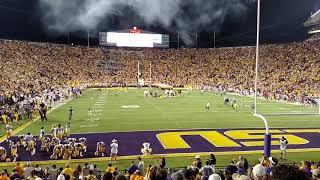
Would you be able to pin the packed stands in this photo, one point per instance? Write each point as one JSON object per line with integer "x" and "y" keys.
{"x": 287, "y": 71}
{"x": 238, "y": 169}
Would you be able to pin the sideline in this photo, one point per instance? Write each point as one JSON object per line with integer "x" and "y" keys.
{"x": 28, "y": 123}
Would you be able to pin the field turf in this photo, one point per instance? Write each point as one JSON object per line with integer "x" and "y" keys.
{"x": 186, "y": 111}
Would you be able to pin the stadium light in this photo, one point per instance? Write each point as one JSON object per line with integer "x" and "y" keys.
{"x": 267, "y": 137}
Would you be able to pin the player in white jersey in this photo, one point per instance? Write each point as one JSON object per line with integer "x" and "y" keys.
{"x": 146, "y": 149}
{"x": 41, "y": 135}
{"x": 207, "y": 106}
{"x": 114, "y": 150}
{"x": 283, "y": 147}
{"x": 146, "y": 93}
{"x": 89, "y": 115}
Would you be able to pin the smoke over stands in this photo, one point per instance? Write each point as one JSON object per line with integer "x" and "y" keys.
{"x": 183, "y": 16}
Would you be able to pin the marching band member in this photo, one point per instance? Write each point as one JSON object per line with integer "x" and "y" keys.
{"x": 67, "y": 131}
{"x": 29, "y": 137}
{"x": 60, "y": 132}
{"x": 9, "y": 131}
{"x": 3, "y": 154}
{"x": 71, "y": 140}
{"x": 22, "y": 141}
{"x": 55, "y": 141}
{"x": 31, "y": 146}
{"x": 83, "y": 141}
{"x": 57, "y": 151}
{"x": 45, "y": 144}
{"x": 67, "y": 152}
{"x": 14, "y": 151}
{"x": 146, "y": 149}
{"x": 101, "y": 149}
{"x": 78, "y": 150}
{"x": 54, "y": 131}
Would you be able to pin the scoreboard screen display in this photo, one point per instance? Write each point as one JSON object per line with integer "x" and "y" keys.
{"x": 120, "y": 39}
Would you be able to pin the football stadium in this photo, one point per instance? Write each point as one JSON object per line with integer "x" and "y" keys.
{"x": 136, "y": 103}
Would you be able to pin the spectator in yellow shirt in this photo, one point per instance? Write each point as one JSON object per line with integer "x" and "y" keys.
{"x": 68, "y": 170}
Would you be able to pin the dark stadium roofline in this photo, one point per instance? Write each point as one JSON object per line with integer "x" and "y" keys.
{"x": 315, "y": 14}
{"x": 314, "y": 19}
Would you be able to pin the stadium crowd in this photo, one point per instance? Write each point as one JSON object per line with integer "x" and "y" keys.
{"x": 267, "y": 168}
{"x": 287, "y": 71}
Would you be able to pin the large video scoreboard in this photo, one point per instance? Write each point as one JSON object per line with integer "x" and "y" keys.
{"x": 133, "y": 38}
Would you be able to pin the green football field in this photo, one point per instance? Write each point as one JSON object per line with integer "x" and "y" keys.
{"x": 130, "y": 111}
{"x": 120, "y": 111}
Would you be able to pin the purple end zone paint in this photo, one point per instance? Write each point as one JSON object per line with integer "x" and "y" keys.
{"x": 130, "y": 143}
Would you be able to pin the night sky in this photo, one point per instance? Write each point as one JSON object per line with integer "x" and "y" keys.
{"x": 281, "y": 21}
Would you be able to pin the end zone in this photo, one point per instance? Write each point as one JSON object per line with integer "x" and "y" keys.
{"x": 176, "y": 143}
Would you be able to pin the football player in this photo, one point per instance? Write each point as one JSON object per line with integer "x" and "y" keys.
{"x": 226, "y": 100}
{"x": 89, "y": 115}
{"x": 41, "y": 135}
{"x": 207, "y": 106}
{"x": 146, "y": 149}
{"x": 146, "y": 93}
{"x": 234, "y": 105}
{"x": 70, "y": 113}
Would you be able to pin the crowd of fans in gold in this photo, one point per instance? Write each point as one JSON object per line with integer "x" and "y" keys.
{"x": 287, "y": 71}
